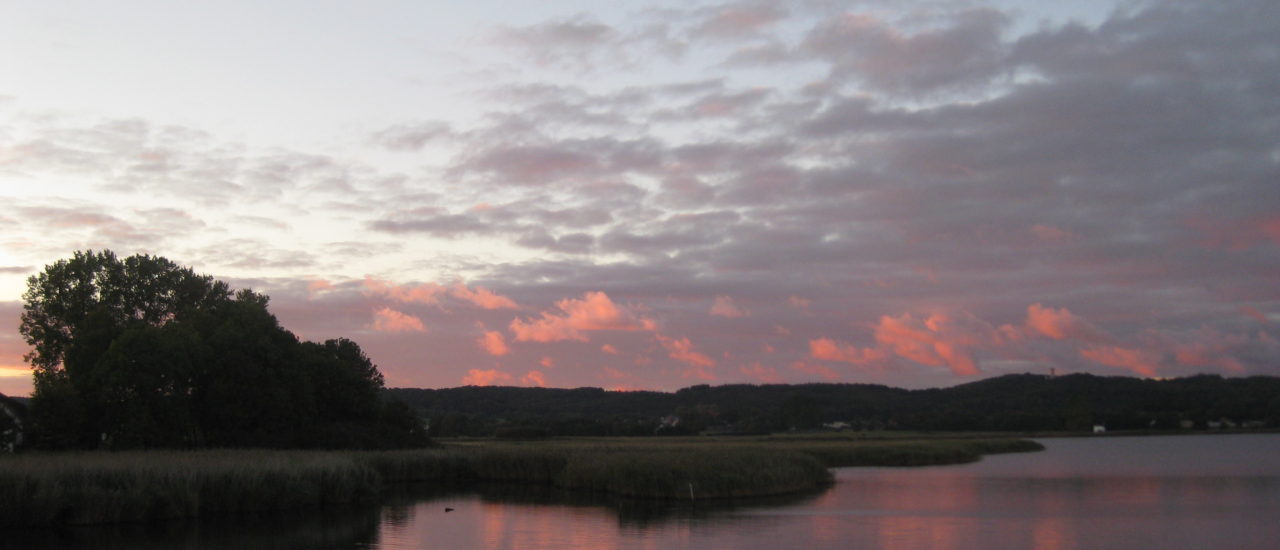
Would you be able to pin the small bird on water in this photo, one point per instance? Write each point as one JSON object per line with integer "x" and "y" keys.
{"x": 448, "y": 509}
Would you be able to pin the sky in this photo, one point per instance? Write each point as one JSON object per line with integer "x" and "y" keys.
{"x": 652, "y": 195}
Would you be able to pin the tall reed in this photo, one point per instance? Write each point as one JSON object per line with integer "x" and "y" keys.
{"x": 83, "y": 488}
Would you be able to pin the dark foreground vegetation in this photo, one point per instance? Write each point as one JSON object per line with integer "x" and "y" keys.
{"x": 1019, "y": 403}
{"x": 140, "y": 353}
{"x": 40, "y": 489}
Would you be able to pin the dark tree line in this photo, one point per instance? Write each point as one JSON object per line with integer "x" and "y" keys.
{"x": 141, "y": 353}
{"x": 1007, "y": 403}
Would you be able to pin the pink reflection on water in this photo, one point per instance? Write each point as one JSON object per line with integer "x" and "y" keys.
{"x": 1182, "y": 493}
{"x": 1051, "y": 533}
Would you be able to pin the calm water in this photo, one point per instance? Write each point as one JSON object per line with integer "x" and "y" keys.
{"x": 1185, "y": 492}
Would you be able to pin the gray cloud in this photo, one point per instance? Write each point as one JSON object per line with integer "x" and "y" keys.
{"x": 412, "y": 137}
{"x": 583, "y": 44}
{"x": 1125, "y": 171}
{"x": 253, "y": 254}
{"x": 948, "y": 164}
{"x": 964, "y": 51}
{"x": 738, "y": 21}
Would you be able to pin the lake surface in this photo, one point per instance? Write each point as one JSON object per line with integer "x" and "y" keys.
{"x": 1176, "y": 492}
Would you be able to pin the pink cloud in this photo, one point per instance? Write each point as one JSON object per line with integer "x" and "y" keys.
{"x": 756, "y": 371}
{"x": 819, "y": 370}
{"x": 493, "y": 343}
{"x": 1061, "y": 324}
{"x": 1207, "y": 347}
{"x": 482, "y": 297}
{"x": 1140, "y": 361}
{"x": 798, "y": 302}
{"x": 430, "y": 293}
{"x": 621, "y": 381}
{"x": 595, "y": 311}
{"x": 938, "y": 340}
{"x": 1207, "y": 355}
{"x": 682, "y": 350}
{"x": 534, "y": 378}
{"x": 318, "y": 286}
{"x": 426, "y": 293}
{"x": 1254, "y": 313}
{"x": 491, "y": 377}
{"x": 724, "y": 307}
{"x": 1238, "y": 234}
{"x": 830, "y": 350}
{"x": 547, "y": 362}
{"x": 609, "y": 349}
{"x": 390, "y": 320}
{"x": 1051, "y": 234}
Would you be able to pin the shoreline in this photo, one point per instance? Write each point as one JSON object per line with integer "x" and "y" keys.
{"x": 50, "y": 489}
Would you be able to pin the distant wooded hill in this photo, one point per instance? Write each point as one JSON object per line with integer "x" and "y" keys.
{"x": 1023, "y": 402}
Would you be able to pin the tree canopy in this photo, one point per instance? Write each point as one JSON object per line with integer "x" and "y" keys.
{"x": 142, "y": 352}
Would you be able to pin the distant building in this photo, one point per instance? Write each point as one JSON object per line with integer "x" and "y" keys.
{"x": 1222, "y": 424}
{"x": 1099, "y": 429}
{"x": 837, "y": 426}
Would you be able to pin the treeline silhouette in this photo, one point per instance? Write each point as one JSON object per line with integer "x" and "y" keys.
{"x": 1021, "y": 403}
{"x": 142, "y": 353}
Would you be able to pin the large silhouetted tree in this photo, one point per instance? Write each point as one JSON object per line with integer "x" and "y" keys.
{"x": 141, "y": 352}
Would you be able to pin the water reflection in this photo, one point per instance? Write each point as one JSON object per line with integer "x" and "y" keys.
{"x": 502, "y": 516}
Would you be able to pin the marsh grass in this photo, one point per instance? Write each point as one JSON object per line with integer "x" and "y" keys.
{"x": 88, "y": 488}
{"x": 99, "y": 487}
{"x": 425, "y": 465}
{"x": 910, "y": 453}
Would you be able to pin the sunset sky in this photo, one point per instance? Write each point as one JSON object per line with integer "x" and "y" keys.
{"x": 652, "y": 194}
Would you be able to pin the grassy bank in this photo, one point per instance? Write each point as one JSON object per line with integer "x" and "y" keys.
{"x": 81, "y": 488}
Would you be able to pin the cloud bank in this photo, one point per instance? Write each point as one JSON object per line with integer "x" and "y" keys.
{"x": 915, "y": 194}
